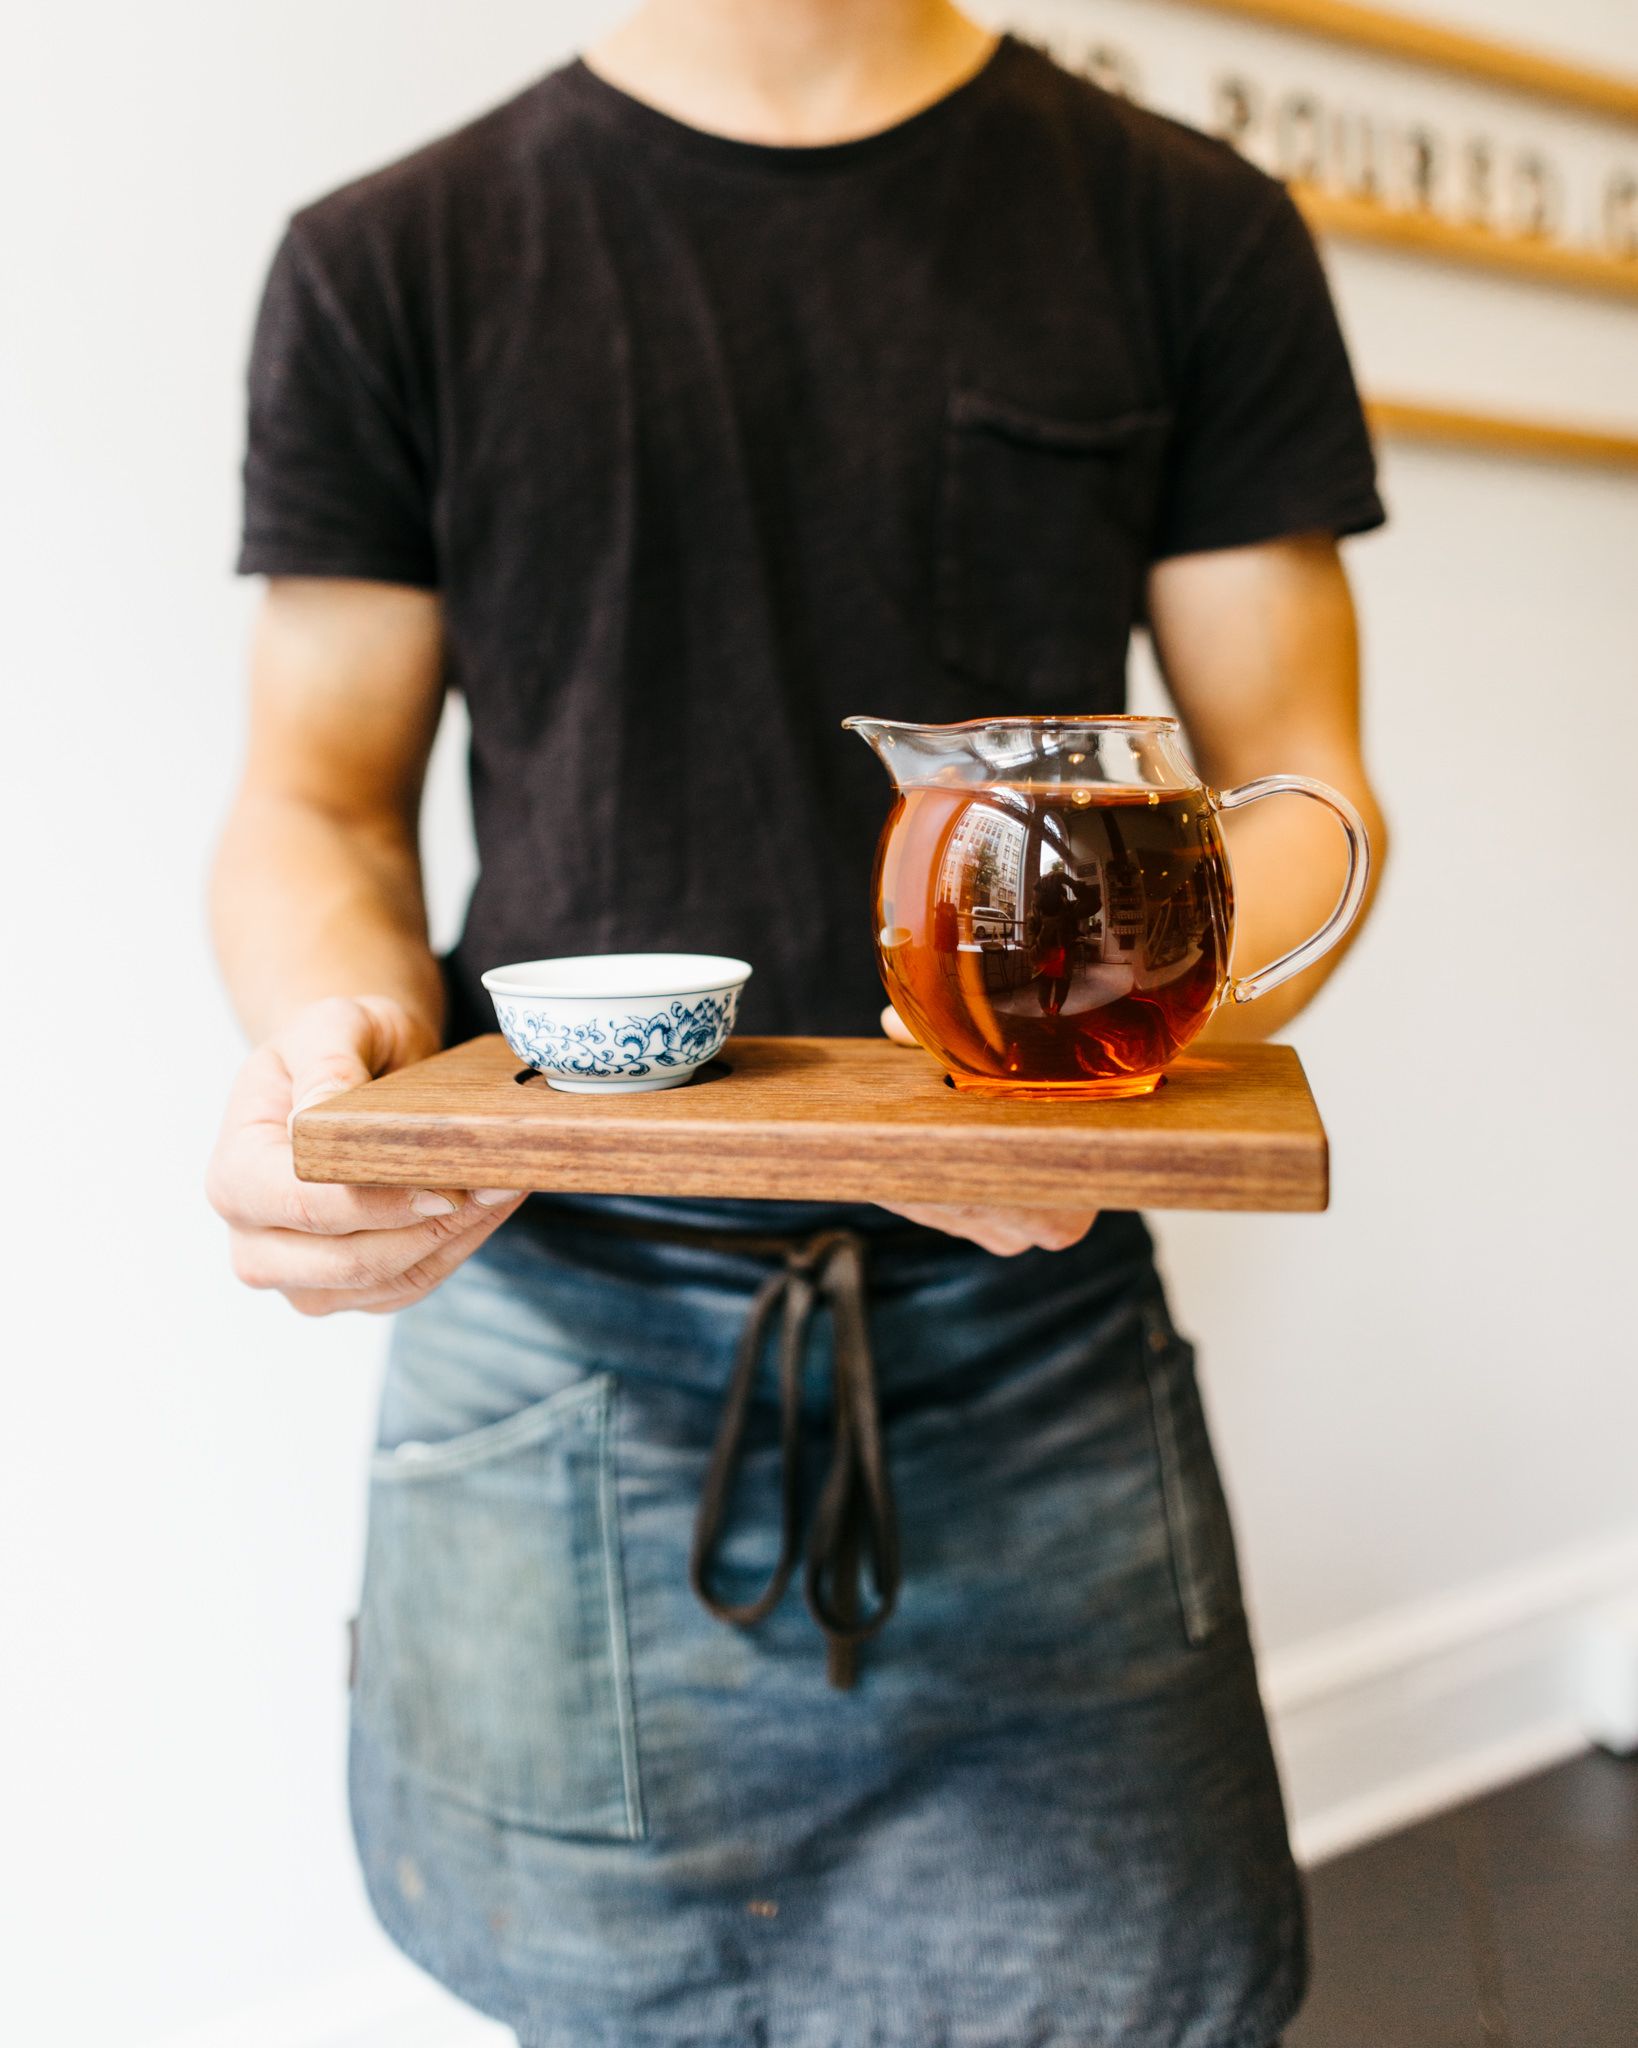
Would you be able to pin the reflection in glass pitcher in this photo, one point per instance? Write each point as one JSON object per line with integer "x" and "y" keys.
{"x": 1069, "y": 936}
{"x": 1054, "y": 931}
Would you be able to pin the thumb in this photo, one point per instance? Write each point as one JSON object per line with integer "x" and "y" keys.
{"x": 340, "y": 1043}
{"x": 896, "y": 1028}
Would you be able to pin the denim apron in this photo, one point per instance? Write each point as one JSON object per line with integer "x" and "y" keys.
{"x": 718, "y": 1693}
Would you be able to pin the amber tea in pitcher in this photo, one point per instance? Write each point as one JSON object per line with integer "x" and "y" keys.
{"x": 1053, "y": 901}
{"x": 1064, "y": 935}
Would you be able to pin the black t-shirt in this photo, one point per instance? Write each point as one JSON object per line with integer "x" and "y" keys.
{"x": 707, "y": 444}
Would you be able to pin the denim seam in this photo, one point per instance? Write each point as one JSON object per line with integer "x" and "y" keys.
{"x": 494, "y": 1440}
{"x": 614, "y": 1594}
{"x": 491, "y": 1811}
{"x": 1196, "y": 1621}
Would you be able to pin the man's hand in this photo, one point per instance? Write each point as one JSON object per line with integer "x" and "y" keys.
{"x": 328, "y": 1248}
{"x": 1002, "y": 1231}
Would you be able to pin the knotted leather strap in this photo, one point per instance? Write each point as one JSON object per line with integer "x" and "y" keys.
{"x": 854, "y": 1516}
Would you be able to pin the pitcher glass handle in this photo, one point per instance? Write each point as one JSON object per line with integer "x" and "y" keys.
{"x": 1247, "y": 988}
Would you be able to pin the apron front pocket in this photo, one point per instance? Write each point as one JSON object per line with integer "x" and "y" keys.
{"x": 1043, "y": 528}
{"x": 493, "y": 1659}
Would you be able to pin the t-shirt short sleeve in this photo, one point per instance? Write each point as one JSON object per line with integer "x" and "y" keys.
{"x": 1270, "y": 438}
{"x": 335, "y": 482}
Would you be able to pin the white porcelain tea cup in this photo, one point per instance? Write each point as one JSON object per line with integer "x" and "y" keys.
{"x": 618, "y": 1023}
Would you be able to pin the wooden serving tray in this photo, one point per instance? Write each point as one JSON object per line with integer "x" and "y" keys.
{"x": 834, "y": 1120}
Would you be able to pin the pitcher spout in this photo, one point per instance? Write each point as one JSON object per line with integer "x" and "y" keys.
{"x": 872, "y": 731}
{"x": 893, "y": 742}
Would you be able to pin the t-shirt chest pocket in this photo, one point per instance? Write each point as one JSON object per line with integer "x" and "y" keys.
{"x": 1042, "y": 544}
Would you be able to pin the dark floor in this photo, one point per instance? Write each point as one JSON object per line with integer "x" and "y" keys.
{"x": 1508, "y": 1923}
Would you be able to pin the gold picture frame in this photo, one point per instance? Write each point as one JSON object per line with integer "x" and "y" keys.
{"x": 1508, "y": 65}
{"x": 1423, "y": 233}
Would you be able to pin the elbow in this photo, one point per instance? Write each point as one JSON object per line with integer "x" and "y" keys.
{"x": 1379, "y": 840}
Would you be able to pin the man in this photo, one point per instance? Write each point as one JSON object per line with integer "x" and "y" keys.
{"x": 781, "y": 359}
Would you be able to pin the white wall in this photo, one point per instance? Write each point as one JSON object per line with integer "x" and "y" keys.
{"x": 1425, "y": 1399}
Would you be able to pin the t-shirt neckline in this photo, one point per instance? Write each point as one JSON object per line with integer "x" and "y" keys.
{"x": 640, "y": 120}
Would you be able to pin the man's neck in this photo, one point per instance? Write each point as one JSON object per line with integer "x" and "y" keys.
{"x": 791, "y": 72}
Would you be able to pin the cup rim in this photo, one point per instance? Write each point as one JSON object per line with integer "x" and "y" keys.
{"x": 618, "y": 977}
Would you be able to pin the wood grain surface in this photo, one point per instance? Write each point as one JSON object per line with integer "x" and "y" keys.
{"x": 834, "y": 1119}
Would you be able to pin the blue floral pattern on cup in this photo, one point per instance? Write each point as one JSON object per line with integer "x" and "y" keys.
{"x": 619, "y": 1047}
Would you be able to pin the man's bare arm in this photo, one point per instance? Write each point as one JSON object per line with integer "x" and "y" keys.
{"x": 316, "y": 889}
{"x": 1260, "y": 650}
{"x": 321, "y": 930}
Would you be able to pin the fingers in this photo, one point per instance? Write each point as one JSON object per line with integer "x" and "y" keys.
{"x": 415, "y": 1281}
{"x": 1005, "y": 1232}
{"x": 253, "y": 1186}
{"x": 359, "y": 1261}
{"x": 896, "y": 1028}
{"x": 1055, "y": 1230}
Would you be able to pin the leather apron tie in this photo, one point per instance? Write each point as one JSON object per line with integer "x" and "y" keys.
{"x": 854, "y": 1516}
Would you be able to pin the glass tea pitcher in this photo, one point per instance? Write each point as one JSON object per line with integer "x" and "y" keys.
{"x": 1054, "y": 910}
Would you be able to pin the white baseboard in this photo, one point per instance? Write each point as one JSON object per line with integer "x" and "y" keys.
{"x": 1377, "y": 1725}
{"x": 1413, "y": 1711}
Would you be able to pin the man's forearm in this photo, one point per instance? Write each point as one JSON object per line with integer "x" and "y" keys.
{"x": 307, "y": 904}
{"x": 1260, "y": 648}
